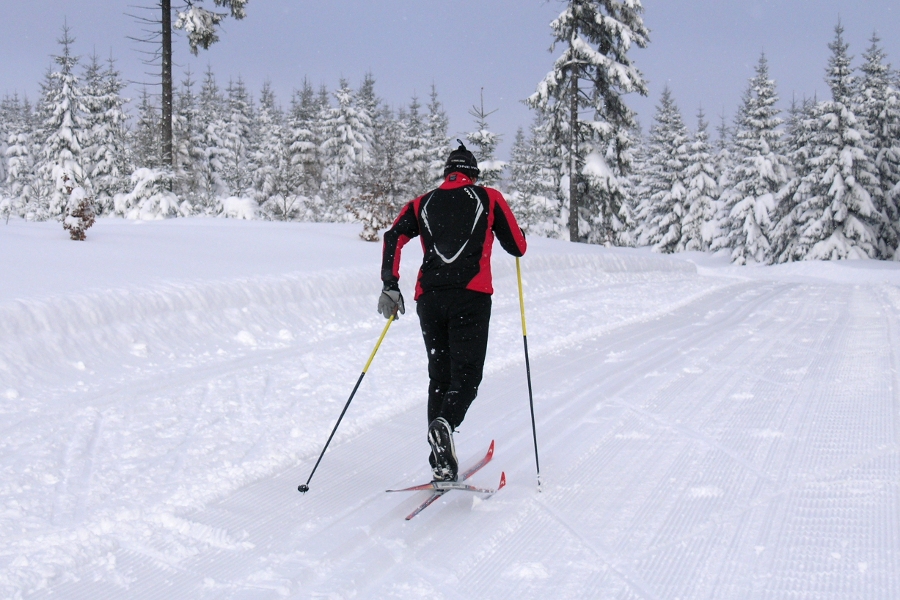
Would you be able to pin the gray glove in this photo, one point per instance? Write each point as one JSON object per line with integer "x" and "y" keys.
{"x": 391, "y": 302}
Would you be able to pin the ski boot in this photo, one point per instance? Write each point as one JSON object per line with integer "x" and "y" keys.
{"x": 444, "y": 466}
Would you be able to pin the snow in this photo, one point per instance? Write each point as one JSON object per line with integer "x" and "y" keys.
{"x": 705, "y": 430}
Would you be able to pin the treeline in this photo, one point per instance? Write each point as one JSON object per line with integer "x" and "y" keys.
{"x": 822, "y": 183}
{"x": 343, "y": 155}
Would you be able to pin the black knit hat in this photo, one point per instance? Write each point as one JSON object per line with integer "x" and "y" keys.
{"x": 461, "y": 161}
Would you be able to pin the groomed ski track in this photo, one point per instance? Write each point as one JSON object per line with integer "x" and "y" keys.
{"x": 728, "y": 434}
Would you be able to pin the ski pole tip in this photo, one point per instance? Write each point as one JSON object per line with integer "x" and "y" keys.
{"x": 302, "y": 488}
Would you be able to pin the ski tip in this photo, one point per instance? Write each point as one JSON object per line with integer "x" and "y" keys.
{"x": 502, "y": 480}
{"x": 490, "y": 451}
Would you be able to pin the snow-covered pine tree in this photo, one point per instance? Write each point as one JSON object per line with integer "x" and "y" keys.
{"x": 800, "y": 139}
{"x": 724, "y": 166}
{"x": 91, "y": 100}
{"x": 109, "y": 152}
{"x": 838, "y": 219}
{"x": 304, "y": 147}
{"x": 759, "y": 173}
{"x": 483, "y": 144}
{"x": 591, "y": 76}
{"x": 19, "y": 158}
{"x": 237, "y": 140}
{"x": 146, "y": 148}
{"x": 79, "y": 213}
{"x": 61, "y": 161}
{"x": 209, "y": 149}
{"x": 270, "y": 160}
{"x": 346, "y": 148}
{"x": 878, "y": 108}
{"x": 150, "y": 197}
{"x": 201, "y": 25}
{"x": 9, "y": 109}
{"x": 383, "y": 185}
{"x": 698, "y": 226}
{"x": 416, "y": 159}
{"x": 185, "y": 124}
{"x": 662, "y": 209}
{"x": 438, "y": 143}
{"x": 533, "y": 187}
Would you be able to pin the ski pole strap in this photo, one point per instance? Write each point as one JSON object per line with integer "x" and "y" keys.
{"x": 378, "y": 344}
{"x": 521, "y": 295}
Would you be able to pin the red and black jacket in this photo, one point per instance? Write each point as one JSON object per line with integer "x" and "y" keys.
{"x": 457, "y": 223}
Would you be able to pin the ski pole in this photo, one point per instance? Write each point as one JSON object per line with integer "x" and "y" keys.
{"x": 537, "y": 462}
{"x": 304, "y": 487}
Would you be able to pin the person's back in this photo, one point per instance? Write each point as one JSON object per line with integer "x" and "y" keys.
{"x": 457, "y": 223}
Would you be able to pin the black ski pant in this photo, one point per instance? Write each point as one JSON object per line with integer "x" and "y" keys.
{"x": 455, "y": 328}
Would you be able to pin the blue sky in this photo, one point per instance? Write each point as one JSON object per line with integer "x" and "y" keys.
{"x": 705, "y": 50}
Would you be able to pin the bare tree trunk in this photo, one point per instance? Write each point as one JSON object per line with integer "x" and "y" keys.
{"x": 574, "y": 200}
{"x": 167, "y": 154}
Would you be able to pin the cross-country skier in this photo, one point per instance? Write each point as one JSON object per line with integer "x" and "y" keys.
{"x": 457, "y": 223}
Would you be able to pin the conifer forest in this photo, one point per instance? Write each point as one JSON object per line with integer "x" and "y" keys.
{"x": 818, "y": 181}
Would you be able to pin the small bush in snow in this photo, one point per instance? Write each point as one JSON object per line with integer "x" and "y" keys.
{"x": 239, "y": 208}
{"x": 375, "y": 211}
{"x": 79, "y": 215}
{"x": 150, "y": 197}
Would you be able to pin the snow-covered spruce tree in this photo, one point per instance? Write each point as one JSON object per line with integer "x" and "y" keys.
{"x": 533, "y": 183}
{"x": 9, "y": 109}
{"x": 383, "y": 186}
{"x": 662, "y": 206}
{"x": 438, "y": 143}
{"x": 91, "y": 100}
{"x": 201, "y": 26}
{"x": 19, "y": 159}
{"x": 270, "y": 160}
{"x": 590, "y": 78}
{"x": 416, "y": 161}
{"x": 483, "y": 143}
{"x": 346, "y": 148}
{"x": 838, "y": 219}
{"x": 800, "y": 140}
{"x": 150, "y": 197}
{"x": 698, "y": 226}
{"x": 304, "y": 148}
{"x": 145, "y": 147}
{"x": 759, "y": 173}
{"x": 185, "y": 124}
{"x": 61, "y": 163}
{"x": 108, "y": 151}
{"x": 724, "y": 166}
{"x": 878, "y": 107}
{"x": 208, "y": 148}
{"x": 237, "y": 140}
{"x": 79, "y": 214}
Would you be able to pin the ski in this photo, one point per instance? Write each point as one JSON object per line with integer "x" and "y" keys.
{"x": 465, "y": 475}
{"x": 440, "y": 492}
{"x": 439, "y": 488}
{"x": 446, "y": 486}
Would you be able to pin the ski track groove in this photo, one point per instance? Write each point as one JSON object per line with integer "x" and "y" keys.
{"x": 796, "y": 476}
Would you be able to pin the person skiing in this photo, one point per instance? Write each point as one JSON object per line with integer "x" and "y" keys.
{"x": 457, "y": 223}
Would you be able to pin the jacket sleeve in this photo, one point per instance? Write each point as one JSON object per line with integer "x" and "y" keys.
{"x": 404, "y": 229}
{"x": 507, "y": 230}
